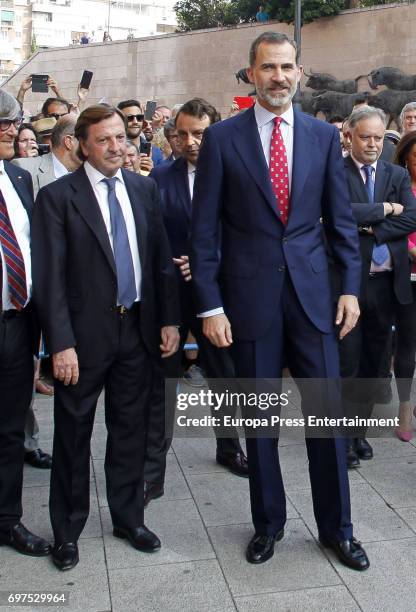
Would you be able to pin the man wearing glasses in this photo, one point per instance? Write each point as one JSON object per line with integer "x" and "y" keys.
{"x": 133, "y": 112}
{"x": 17, "y": 339}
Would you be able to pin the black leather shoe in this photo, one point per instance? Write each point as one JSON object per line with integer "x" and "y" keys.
{"x": 349, "y": 552}
{"x": 237, "y": 464}
{"x": 65, "y": 556}
{"x": 261, "y": 547}
{"x": 152, "y": 490}
{"x": 22, "y": 540}
{"x": 352, "y": 457}
{"x": 38, "y": 459}
{"x": 139, "y": 537}
{"x": 363, "y": 449}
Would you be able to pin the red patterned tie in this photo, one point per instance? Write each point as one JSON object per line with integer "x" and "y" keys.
{"x": 279, "y": 171}
{"x": 15, "y": 266}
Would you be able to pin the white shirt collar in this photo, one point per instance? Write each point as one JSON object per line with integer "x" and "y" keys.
{"x": 360, "y": 164}
{"x": 58, "y": 168}
{"x": 191, "y": 168}
{"x": 264, "y": 116}
{"x": 2, "y": 170}
{"x": 95, "y": 176}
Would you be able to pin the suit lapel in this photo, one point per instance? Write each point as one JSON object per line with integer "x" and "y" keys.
{"x": 248, "y": 145}
{"x": 139, "y": 215}
{"x": 356, "y": 183}
{"x": 383, "y": 173}
{"x": 304, "y": 150}
{"x": 16, "y": 178}
{"x": 46, "y": 170}
{"x": 86, "y": 203}
{"x": 182, "y": 185}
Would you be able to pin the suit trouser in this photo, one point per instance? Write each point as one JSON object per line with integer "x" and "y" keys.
{"x": 124, "y": 373}
{"x": 217, "y": 364}
{"x": 308, "y": 353}
{"x": 31, "y": 428}
{"x": 363, "y": 350}
{"x": 16, "y": 383}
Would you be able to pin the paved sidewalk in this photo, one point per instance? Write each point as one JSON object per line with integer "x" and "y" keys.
{"x": 204, "y": 524}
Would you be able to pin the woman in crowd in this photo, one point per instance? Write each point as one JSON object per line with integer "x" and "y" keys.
{"x": 404, "y": 357}
{"x": 26, "y": 144}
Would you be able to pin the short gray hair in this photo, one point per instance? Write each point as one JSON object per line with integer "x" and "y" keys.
{"x": 407, "y": 107}
{"x": 9, "y": 106}
{"x": 64, "y": 127}
{"x": 130, "y": 143}
{"x": 274, "y": 38}
{"x": 366, "y": 112}
{"x": 169, "y": 127}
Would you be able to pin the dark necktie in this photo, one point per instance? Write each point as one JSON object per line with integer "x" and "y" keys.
{"x": 279, "y": 171}
{"x": 380, "y": 252}
{"x": 15, "y": 265}
{"x": 126, "y": 283}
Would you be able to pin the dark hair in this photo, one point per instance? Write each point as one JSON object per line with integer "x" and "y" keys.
{"x": 336, "y": 119}
{"x": 403, "y": 149}
{"x": 49, "y": 101}
{"x": 198, "y": 107}
{"x": 92, "y": 115}
{"x": 23, "y": 126}
{"x": 276, "y": 38}
{"x": 127, "y": 103}
{"x": 63, "y": 127}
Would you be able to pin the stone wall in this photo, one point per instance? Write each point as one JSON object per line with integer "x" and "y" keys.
{"x": 175, "y": 67}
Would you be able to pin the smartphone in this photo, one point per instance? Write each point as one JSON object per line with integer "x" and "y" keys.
{"x": 150, "y": 110}
{"x": 243, "y": 101}
{"x": 40, "y": 83}
{"x": 145, "y": 148}
{"x": 43, "y": 149}
{"x": 86, "y": 79}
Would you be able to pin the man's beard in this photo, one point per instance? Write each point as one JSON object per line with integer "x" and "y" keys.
{"x": 134, "y": 132}
{"x": 279, "y": 100}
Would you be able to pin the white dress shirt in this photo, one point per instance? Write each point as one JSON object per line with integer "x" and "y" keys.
{"x": 21, "y": 227}
{"x": 387, "y": 266}
{"x": 58, "y": 167}
{"x": 101, "y": 193}
{"x": 191, "y": 178}
{"x": 265, "y": 125}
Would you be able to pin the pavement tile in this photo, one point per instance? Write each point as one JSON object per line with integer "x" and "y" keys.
{"x": 328, "y": 599}
{"x": 395, "y": 480}
{"x": 298, "y": 560}
{"x": 179, "y": 587}
{"x": 86, "y": 584}
{"x": 372, "y": 518}
{"x": 223, "y": 499}
{"x": 389, "y": 584}
{"x": 408, "y": 515}
{"x": 179, "y": 527}
{"x": 36, "y": 514}
{"x": 197, "y": 455}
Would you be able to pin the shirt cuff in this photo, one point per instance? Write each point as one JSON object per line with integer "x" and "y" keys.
{"x": 210, "y": 313}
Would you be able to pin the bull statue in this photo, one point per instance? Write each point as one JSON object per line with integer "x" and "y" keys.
{"x": 327, "y": 82}
{"x": 392, "y": 102}
{"x": 335, "y": 103}
{"x": 393, "y": 78}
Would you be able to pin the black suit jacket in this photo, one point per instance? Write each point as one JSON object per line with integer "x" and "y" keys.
{"x": 392, "y": 184}
{"x": 22, "y": 182}
{"x": 75, "y": 284}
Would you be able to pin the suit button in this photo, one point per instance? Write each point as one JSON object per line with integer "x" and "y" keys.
{"x": 281, "y": 268}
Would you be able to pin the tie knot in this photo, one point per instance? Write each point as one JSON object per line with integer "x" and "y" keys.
{"x": 277, "y": 122}
{"x": 110, "y": 182}
{"x": 368, "y": 170}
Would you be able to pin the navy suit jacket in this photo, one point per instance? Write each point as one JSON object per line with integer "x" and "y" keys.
{"x": 392, "y": 184}
{"x": 233, "y": 188}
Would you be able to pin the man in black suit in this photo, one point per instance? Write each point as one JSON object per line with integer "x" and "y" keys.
{"x": 175, "y": 181}
{"x": 385, "y": 210}
{"x": 18, "y": 339}
{"x": 105, "y": 290}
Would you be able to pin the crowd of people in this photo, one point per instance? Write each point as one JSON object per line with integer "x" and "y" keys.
{"x": 258, "y": 239}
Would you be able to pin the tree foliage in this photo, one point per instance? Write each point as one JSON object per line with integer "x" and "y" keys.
{"x": 200, "y": 14}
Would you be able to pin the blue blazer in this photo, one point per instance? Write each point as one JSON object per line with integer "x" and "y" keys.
{"x": 233, "y": 188}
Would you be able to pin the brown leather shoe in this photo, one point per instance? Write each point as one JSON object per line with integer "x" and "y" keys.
{"x": 236, "y": 464}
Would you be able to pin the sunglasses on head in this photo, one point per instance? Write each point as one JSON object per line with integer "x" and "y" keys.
{"x": 6, "y": 123}
{"x": 137, "y": 117}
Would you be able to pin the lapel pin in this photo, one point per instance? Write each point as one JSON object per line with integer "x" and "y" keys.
{"x": 19, "y": 178}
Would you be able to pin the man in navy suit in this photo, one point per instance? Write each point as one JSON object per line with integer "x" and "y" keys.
{"x": 269, "y": 175}
{"x": 18, "y": 337}
{"x": 175, "y": 181}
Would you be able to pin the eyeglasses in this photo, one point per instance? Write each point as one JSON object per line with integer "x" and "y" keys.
{"x": 6, "y": 123}
{"x": 56, "y": 116}
{"x": 137, "y": 117}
